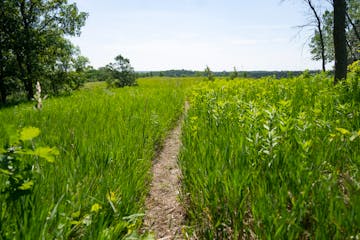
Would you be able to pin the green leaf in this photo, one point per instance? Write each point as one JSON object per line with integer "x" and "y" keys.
{"x": 47, "y": 153}
{"x": 96, "y": 207}
{"x": 29, "y": 133}
{"x": 26, "y": 185}
{"x": 75, "y": 215}
{"x": 75, "y": 222}
{"x": 343, "y": 131}
{"x": 4, "y": 171}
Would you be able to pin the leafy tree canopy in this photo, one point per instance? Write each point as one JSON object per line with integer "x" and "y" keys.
{"x": 121, "y": 73}
{"x": 33, "y": 46}
{"x": 352, "y": 34}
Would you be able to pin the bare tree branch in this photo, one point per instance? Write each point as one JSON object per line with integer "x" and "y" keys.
{"x": 353, "y": 25}
{"x": 319, "y": 29}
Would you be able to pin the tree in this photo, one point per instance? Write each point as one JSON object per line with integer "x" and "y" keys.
{"x": 340, "y": 40}
{"x": 317, "y": 43}
{"x": 234, "y": 74}
{"x": 353, "y": 16}
{"x": 33, "y": 32}
{"x": 7, "y": 58}
{"x": 352, "y": 29}
{"x": 121, "y": 72}
{"x": 77, "y": 76}
{"x": 3, "y": 53}
{"x": 209, "y": 75}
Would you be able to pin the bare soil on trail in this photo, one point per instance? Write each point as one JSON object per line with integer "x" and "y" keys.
{"x": 164, "y": 215}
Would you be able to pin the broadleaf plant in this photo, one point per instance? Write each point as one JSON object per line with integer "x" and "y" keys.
{"x": 17, "y": 161}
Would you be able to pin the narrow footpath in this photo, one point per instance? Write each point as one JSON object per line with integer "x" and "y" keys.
{"x": 164, "y": 215}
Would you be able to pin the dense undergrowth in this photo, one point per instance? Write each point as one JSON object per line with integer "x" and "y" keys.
{"x": 273, "y": 159}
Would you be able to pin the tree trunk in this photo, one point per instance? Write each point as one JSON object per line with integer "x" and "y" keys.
{"x": 22, "y": 71}
{"x": 2, "y": 51}
{"x": 340, "y": 40}
{"x": 27, "y": 67}
{"x": 29, "y": 79}
{"x": 322, "y": 49}
{"x": 319, "y": 28}
{"x": 29, "y": 88}
{"x": 2, "y": 79}
{"x": 25, "y": 77}
{"x": 2, "y": 89}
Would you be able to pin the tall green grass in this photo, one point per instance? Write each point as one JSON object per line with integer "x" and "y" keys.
{"x": 272, "y": 159}
{"x": 106, "y": 138}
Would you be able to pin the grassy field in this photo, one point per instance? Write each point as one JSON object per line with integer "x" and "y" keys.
{"x": 273, "y": 159}
{"x": 265, "y": 159}
{"x": 97, "y": 185}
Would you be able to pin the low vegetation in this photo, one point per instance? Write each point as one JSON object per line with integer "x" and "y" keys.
{"x": 273, "y": 159}
{"x": 96, "y": 186}
{"x": 268, "y": 158}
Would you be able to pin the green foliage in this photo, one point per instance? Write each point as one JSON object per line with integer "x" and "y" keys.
{"x": 92, "y": 73}
{"x": 315, "y": 44}
{"x": 33, "y": 46}
{"x": 77, "y": 77}
{"x": 352, "y": 34}
{"x": 101, "y": 74}
{"x": 234, "y": 74}
{"x": 272, "y": 159}
{"x": 354, "y": 68}
{"x": 19, "y": 169}
{"x": 121, "y": 72}
{"x": 208, "y": 74}
{"x": 351, "y": 87}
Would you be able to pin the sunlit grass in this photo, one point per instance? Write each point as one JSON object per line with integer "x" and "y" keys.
{"x": 272, "y": 159}
{"x": 106, "y": 138}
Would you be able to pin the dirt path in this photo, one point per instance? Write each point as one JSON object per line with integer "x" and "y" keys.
{"x": 164, "y": 216}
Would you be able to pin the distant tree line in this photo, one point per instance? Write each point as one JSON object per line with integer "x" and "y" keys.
{"x": 34, "y": 47}
{"x": 225, "y": 74}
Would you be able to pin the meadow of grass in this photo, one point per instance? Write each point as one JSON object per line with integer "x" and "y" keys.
{"x": 267, "y": 159}
{"x": 106, "y": 139}
{"x": 273, "y": 159}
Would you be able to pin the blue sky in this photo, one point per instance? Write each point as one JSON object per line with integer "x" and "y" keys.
{"x": 191, "y": 34}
